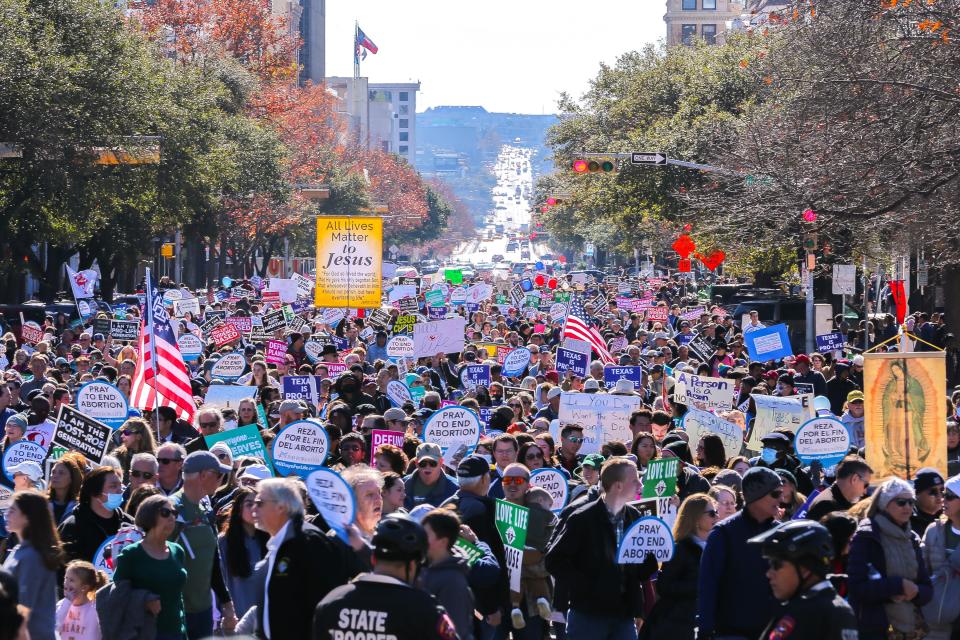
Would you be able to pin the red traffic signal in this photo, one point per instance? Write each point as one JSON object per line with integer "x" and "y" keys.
{"x": 594, "y": 165}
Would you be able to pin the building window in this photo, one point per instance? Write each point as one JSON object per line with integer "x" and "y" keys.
{"x": 404, "y": 123}
{"x": 404, "y": 109}
{"x": 709, "y": 33}
{"x": 404, "y": 148}
{"x": 709, "y": 4}
{"x": 689, "y": 5}
{"x": 404, "y": 96}
{"x": 404, "y": 136}
{"x": 687, "y": 33}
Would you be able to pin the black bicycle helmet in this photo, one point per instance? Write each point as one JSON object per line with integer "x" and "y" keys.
{"x": 400, "y": 538}
{"x": 803, "y": 542}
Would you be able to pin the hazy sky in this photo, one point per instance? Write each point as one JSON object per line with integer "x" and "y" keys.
{"x": 505, "y": 55}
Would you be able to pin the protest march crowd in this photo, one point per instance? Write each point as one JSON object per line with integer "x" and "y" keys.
{"x": 548, "y": 456}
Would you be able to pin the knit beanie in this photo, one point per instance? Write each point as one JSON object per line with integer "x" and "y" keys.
{"x": 758, "y": 482}
{"x": 891, "y": 489}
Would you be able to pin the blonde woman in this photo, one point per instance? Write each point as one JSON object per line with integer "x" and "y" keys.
{"x": 674, "y": 615}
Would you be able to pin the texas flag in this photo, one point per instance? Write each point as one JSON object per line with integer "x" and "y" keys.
{"x": 82, "y": 282}
{"x": 363, "y": 42}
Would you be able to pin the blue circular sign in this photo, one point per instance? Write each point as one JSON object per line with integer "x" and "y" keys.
{"x": 300, "y": 448}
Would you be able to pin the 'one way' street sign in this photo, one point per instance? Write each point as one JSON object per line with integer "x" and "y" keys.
{"x": 645, "y": 157}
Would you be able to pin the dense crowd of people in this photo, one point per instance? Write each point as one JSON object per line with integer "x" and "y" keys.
{"x": 168, "y": 537}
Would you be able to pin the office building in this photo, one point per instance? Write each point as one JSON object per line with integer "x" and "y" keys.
{"x": 379, "y": 114}
{"x": 707, "y": 19}
{"x": 313, "y": 17}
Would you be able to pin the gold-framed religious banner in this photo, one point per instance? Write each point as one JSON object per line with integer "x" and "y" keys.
{"x": 904, "y": 412}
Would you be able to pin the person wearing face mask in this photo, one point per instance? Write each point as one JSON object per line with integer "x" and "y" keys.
{"x": 348, "y": 389}
{"x": 776, "y": 454}
{"x": 97, "y": 517}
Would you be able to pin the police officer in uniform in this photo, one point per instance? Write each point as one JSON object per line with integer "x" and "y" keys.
{"x": 799, "y": 553}
{"x": 383, "y": 605}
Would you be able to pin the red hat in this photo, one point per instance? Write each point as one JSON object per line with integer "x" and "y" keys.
{"x": 553, "y": 377}
{"x": 771, "y": 374}
{"x": 802, "y": 358}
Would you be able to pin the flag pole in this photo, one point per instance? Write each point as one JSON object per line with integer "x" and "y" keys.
{"x": 148, "y": 329}
{"x": 356, "y": 52}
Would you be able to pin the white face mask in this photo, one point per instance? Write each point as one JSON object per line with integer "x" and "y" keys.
{"x": 229, "y": 424}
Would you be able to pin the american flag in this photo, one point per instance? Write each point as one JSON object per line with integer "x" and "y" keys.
{"x": 160, "y": 378}
{"x": 577, "y": 327}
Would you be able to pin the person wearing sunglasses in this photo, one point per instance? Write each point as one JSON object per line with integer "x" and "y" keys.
{"x": 571, "y": 440}
{"x": 144, "y": 470}
{"x": 799, "y": 555}
{"x": 135, "y": 437}
{"x": 887, "y": 575}
{"x": 940, "y": 543}
{"x": 674, "y": 615}
{"x": 169, "y": 477}
{"x": 428, "y": 484}
{"x": 731, "y": 571}
{"x": 157, "y": 566}
{"x": 928, "y": 485}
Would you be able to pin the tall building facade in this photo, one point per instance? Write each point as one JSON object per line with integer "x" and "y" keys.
{"x": 688, "y": 20}
{"x": 379, "y": 114}
{"x": 393, "y": 117}
{"x": 313, "y": 22}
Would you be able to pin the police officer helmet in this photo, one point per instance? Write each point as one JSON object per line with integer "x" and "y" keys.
{"x": 802, "y": 542}
{"x": 399, "y": 538}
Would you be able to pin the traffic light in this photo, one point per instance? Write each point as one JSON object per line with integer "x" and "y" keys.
{"x": 593, "y": 165}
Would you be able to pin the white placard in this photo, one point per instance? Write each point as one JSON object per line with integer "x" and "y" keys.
{"x": 702, "y": 392}
{"x": 844, "y": 279}
{"x": 603, "y": 416}
{"x": 440, "y": 336}
{"x": 697, "y": 423}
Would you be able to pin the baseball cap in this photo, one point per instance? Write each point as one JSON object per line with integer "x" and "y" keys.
{"x": 554, "y": 392}
{"x": 256, "y": 472}
{"x": 28, "y": 468}
{"x": 804, "y": 358}
{"x": 204, "y": 461}
{"x": 594, "y": 460}
{"x": 855, "y": 396}
{"x": 591, "y": 385}
{"x": 290, "y": 405}
{"x": 395, "y": 413}
{"x": 430, "y": 451}
{"x": 472, "y": 467}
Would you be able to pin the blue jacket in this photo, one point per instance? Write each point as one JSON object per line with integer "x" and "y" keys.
{"x": 868, "y": 594}
{"x": 443, "y": 489}
{"x": 733, "y": 573}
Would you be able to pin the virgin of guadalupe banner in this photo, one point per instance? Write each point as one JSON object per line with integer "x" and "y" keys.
{"x": 904, "y": 412}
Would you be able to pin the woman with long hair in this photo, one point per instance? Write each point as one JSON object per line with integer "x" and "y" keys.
{"x": 549, "y": 447}
{"x": 242, "y": 546}
{"x": 123, "y": 384}
{"x": 394, "y": 494}
{"x": 35, "y": 561}
{"x": 136, "y": 437}
{"x": 887, "y": 575}
{"x": 259, "y": 376}
{"x": 645, "y": 449}
{"x": 710, "y": 451}
{"x": 97, "y": 517}
{"x": 674, "y": 615}
{"x": 531, "y": 456}
{"x": 246, "y": 412}
{"x": 65, "y": 480}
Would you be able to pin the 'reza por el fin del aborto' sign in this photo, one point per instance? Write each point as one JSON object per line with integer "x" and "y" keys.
{"x": 349, "y": 262}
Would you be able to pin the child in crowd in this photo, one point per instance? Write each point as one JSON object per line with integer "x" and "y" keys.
{"x": 77, "y": 612}
{"x": 535, "y": 583}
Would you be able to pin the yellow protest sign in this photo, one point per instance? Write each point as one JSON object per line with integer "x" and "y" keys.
{"x": 349, "y": 261}
{"x": 904, "y": 416}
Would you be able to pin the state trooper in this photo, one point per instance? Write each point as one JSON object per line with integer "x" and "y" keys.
{"x": 799, "y": 553}
{"x": 383, "y": 605}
